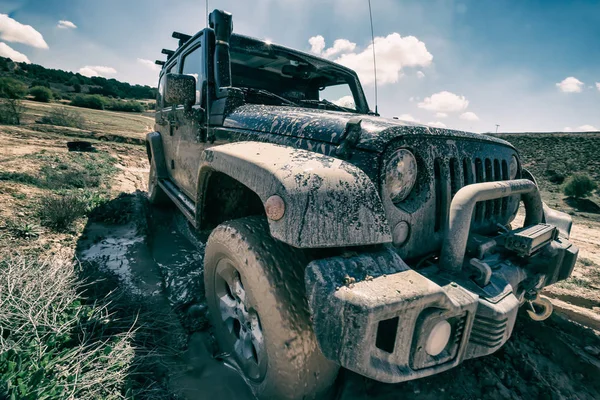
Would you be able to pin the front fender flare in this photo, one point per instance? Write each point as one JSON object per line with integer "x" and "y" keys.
{"x": 328, "y": 202}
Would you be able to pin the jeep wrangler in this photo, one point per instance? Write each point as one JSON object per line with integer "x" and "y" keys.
{"x": 337, "y": 237}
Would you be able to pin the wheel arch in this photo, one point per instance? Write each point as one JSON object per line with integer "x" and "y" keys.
{"x": 329, "y": 202}
{"x": 155, "y": 151}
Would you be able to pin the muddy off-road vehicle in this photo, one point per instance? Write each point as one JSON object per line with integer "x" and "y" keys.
{"x": 337, "y": 237}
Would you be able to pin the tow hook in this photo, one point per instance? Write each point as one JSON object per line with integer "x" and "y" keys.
{"x": 541, "y": 308}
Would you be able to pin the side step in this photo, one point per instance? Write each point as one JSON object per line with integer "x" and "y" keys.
{"x": 185, "y": 205}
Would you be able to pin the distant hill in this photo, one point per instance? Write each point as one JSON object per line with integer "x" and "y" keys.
{"x": 552, "y": 157}
{"x": 67, "y": 83}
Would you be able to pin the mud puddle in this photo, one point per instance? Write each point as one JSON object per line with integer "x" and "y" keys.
{"x": 165, "y": 268}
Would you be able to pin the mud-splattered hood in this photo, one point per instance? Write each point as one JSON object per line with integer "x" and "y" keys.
{"x": 330, "y": 126}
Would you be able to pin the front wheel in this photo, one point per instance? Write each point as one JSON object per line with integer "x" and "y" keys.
{"x": 257, "y": 305}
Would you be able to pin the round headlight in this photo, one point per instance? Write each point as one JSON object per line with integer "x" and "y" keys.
{"x": 400, "y": 175}
{"x": 514, "y": 167}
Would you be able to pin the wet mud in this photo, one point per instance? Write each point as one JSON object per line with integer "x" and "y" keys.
{"x": 156, "y": 254}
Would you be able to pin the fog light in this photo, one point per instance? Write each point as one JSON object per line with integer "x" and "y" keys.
{"x": 438, "y": 338}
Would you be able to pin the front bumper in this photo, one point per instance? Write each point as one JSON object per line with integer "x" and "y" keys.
{"x": 372, "y": 313}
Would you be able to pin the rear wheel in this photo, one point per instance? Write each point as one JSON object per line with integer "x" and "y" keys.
{"x": 156, "y": 195}
{"x": 256, "y": 299}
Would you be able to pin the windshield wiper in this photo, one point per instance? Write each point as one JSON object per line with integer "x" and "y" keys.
{"x": 326, "y": 102}
{"x": 270, "y": 94}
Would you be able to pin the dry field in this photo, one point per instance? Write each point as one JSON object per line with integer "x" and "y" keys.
{"x": 144, "y": 264}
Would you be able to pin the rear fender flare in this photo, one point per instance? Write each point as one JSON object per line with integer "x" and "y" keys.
{"x": 328, "y": 202}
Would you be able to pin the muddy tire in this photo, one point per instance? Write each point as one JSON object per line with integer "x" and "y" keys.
{"x": 156, "y": 195}
{"x": 257, "y": 306}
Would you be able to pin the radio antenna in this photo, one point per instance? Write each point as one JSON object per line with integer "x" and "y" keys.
{"x": 374, "y": 58}
{"x": 207, "y": 83}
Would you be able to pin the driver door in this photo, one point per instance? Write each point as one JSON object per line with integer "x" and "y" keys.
{"x": 189, "y": 128}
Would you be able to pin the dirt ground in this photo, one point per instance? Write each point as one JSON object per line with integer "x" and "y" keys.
{"x": 156, "y": 256}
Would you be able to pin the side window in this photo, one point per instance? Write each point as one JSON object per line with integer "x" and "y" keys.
{"x": 193, "y": 65}
{"x": 161, "y": 87}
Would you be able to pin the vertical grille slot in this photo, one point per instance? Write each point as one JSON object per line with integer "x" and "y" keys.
{"x": 437, "y": 172}
{"x": 498, "y": 177}
{"x": 467, "y": 171}
{"x": 489, "y": 177}
{"x": 479, "y": 178}
{"x": 505, "y": 178}
{"x": 455, "y": 177}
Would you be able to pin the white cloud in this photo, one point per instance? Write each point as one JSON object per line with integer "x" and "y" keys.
{"x": 90, "y": 71}
{"x": 567, "y": 129}
{"x": 598, "y": 85}
{"x": 408, "y": 117}
{"x": 570, "y": 85}
{"x": 317, "y": 44}
{"x": 7, "y": 51}
{"x": 393, "y": 53}
{"x": 441, "y": 115}
{"x": 340, "y": 46}
{"x": 66, "y": 25}
{"x": 420, "y": 74}
{"x": 13, "y": 31}
{"x": 345, "y": 101}
{"x": 437, "y": 124}
{"x": 411, "y": 99}
{"x": 469, "y": 116}
{"x": 148, "y": 64}
{"x": 445, "y": 102}
{"x": 587, "y": 128}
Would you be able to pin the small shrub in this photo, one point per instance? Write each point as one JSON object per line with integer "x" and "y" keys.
{"x": 579, "y": 185}
{"x": 12, "y": 89}
{"x": 59, "y": 178}
{"x": 60, "y": 212}
{"x": 22, "y": 229}
{"x": 41, "y": 94}
{"x": 64, "y": 116}
{"x": 95, "y": 102}
{"x": 11, "y": 111}
{"x": 18, "y": 177}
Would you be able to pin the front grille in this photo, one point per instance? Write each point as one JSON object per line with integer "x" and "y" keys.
{"x": 450, "y": 175}
{"x": 488, "y": 332}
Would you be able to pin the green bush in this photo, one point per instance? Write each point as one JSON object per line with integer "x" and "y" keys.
{"x": 41, "y": 94}
{"x": 579, "y": 185}
{"x": 126, "y": 106}
{"x": 64, "y": 116}
{"x": 92, "y": 101}
{"x": 12, "y": 88}
{"x": 60, "y": 212}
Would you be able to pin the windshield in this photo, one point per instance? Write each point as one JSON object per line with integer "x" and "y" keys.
{"x": 271, "y": 74}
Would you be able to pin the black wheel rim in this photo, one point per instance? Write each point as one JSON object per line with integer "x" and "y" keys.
{"x": 241, "y": 327}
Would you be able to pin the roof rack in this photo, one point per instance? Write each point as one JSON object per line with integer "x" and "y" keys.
{"x": 183, "y": 38}
{"x": 159, "y": 62}
{"x": 168, "y": 52}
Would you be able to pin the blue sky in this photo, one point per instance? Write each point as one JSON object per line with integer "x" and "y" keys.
{"x": 525, "y": 65}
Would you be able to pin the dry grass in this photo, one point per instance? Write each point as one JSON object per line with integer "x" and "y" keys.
{"x": 52, "y": 345}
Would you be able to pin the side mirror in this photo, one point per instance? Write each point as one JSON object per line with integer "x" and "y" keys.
{"x": 180, "y": 89}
